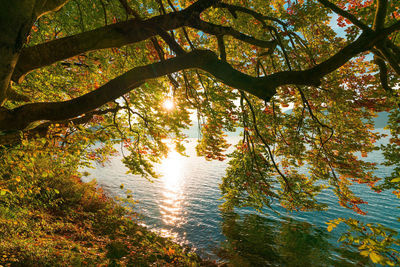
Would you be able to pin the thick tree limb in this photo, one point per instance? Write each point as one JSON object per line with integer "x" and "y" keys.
{"x": 380, "y": 15}
{"x": 221, "y": 47}
{"x": 115, "y": 35}
{"x": 263, "y": 87}
{"x": 391, "y": 57}
{"x": 16, "y": 137}
{"x": 393, "y": 28}
{"x": 120, "y": 34}
{"x": 16, "y": 20}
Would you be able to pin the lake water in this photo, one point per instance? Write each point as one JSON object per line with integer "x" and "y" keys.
{"x": 184, "y": 204}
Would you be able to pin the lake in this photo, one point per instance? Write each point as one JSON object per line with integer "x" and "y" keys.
{"x": 184, "y": 205}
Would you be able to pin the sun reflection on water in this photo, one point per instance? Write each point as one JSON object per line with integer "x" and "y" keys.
{"x": 171, "y": 170}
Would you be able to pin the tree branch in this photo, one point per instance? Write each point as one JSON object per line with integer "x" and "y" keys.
{"x": 379, "y": 20}
{"x": 344, "y": 14}
{"x": 19, "y": 118}
{"x": 221, "y": 47}
{"x": 383, "y": 74}
{"x": 41, "y": 130}
{"x": 128, "y": 9}
{"x": 262, "y": 87}
{"x": 16, "y": 20}
{"x": 390, "y": 57}
{"x": 219, "y": 30}
{"x": 258, "y": 16}
{"x": 47, "y": 6}
{"x": 120, "y": 34}
{"x": 115, "y": 35}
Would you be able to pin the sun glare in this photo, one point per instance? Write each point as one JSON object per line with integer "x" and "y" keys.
{"x": 171, "y": 170}
{"x": 168, "y": 104}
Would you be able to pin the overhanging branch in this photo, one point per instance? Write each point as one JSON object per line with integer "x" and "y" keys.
{"x": 262, "y": 87}
{"x": 115, "y": 35}
{"x": 123, "y": 33}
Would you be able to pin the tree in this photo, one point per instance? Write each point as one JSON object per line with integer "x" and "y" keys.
{"x": 101, "y": 70}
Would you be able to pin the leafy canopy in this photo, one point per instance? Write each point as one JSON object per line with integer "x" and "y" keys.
{"x": 103, "y": 70}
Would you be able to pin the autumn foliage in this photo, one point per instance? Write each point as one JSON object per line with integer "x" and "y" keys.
{"x": 76, "y": 74}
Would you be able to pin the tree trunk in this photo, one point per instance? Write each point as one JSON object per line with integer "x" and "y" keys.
{"x": 16, "y": 20}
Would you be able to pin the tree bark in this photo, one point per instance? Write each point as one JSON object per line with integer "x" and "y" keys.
{"x": 124, "y": 33}
{"x": 16, "y": 20}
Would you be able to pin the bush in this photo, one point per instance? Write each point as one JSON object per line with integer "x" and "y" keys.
{"x": 48, "y": 217}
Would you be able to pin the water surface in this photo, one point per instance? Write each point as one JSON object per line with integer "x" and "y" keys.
{"x": 183, "y": 204}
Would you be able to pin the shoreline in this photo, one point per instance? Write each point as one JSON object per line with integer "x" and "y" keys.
{"x": 85, "y": 228}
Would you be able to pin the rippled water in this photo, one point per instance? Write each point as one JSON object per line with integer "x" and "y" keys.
{"x": 183, "y": 204}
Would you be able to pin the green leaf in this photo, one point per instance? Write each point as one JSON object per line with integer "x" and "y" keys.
{"x": 376, "y": 258}
{"x": 395, "y": 180}
{"x": 364, "y": 253}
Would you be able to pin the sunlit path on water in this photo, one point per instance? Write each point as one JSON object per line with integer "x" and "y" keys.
{"x": 171, "y": 171}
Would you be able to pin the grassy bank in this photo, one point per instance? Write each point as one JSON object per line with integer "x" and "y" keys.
{"x": 48, "y": 217}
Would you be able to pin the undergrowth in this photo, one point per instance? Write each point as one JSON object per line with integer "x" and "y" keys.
{"x": 48, "y": 217}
